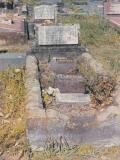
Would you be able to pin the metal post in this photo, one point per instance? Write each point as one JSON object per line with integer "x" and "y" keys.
{"x": 103, "y": 9}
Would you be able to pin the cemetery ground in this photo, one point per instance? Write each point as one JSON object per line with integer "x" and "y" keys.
{"x": 104, "y": 44}
{"x": 102, "y": 40}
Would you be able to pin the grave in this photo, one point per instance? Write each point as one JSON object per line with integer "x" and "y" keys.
{"x": 57, "y": 45}
{"x": 70, "y": 121}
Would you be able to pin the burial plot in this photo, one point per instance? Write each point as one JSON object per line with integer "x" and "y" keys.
{"x": 45, "y": 12}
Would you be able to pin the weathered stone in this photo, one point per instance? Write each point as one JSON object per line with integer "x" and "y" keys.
{"x": 62, "y": 67}
{"x": 43, "y": 52}
{"x": 52, "y": 113}
{"x": 45, "y": 12}
{"x": 58, "y": 35}
{"x": 32, "y": 85}
{"x": 70, "y": 83}
{"x": 34, "y": 105}
{"x": 73, "y": 98}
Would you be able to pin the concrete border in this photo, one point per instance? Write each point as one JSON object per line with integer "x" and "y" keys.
{"x": 33, "y": 100}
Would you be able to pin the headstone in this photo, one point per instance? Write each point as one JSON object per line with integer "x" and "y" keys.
{"x": 45, "y": 12}
{"x": 58, "y": 35}
{"x": 24, "y": 9}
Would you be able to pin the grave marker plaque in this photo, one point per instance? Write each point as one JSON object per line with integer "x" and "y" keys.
{"x": 58, "y": 35}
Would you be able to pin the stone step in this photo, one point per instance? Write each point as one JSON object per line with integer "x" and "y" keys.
{"x": 80, "y": 98}
{"x": 60, "y": 67}
{"x": 70, "y": 83}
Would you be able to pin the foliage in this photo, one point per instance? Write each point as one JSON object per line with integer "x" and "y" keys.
{"x": 101, "y": 89}
{"x": 100, "y": 85}
{"x": 82, "y": 152}
{"x": 94, "y": 31}
{"x": 30, "y": 2}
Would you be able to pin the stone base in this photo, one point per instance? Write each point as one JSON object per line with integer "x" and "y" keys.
{"x": 43, "y": 52}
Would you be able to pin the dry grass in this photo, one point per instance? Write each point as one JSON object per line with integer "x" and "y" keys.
{"x": 109, "y": 56}
{"x": 83, "y": 152}
{"x": 16, "y": 48}
{"x": 102, "y": 40}
{"x": 12, "y": 122}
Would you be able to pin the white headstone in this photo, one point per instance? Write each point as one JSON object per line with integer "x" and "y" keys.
{"x": 45, "y": 12}
{"x": 58, "y": 35}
